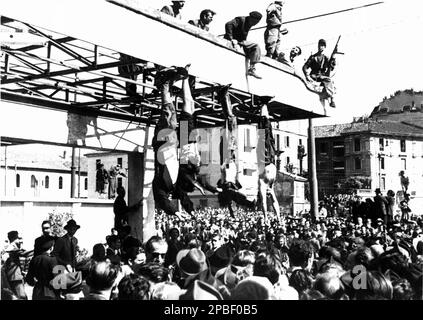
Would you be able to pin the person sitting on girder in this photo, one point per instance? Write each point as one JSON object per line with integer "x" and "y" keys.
{"x": 321, "y": 66}
{"x": 267, "y": 157}
{"x": 165, "y": 145}
{"x": 237, "y": 32}
{"x": 206, "y": 17}
{"x": 175, "y": 9}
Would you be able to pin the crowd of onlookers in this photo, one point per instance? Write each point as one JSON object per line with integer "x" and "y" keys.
{"x": 214, "y": 256}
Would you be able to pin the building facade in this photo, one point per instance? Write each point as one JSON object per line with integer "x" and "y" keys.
{"x": 371, "y": 152}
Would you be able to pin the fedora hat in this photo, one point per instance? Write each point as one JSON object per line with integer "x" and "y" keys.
{"x": 71, "y": 224}
{"x": 191, "y": 262}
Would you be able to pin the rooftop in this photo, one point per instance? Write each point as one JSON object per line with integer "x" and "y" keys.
{"x": 391, "y": 128}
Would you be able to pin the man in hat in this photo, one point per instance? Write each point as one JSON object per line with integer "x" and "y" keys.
{"x": 272, "y": 35}
{"x": 237, "y": 32}
{"x": 320, "y": 67}
{"x": 40, "y": 271}
{"x": 65, "y": 247}
{"x": 206, "y": 17}
{"x": 192, "y": 265}
{"x": 12, "y": 266}
{"x": 174, "y": 9}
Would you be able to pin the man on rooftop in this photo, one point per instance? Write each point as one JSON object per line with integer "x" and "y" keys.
{"x": 206, "y": 17}
{"x": 175, "y": 9}
{"x": 237, "y": 32}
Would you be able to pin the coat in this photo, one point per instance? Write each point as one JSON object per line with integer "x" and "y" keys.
{"x": 41, "y": 268}
{"x": 65, "y": 250}
{"x": 237, "y": 29}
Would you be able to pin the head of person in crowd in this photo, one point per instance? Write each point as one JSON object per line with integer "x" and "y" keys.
{"x": 206, "y": 16}
{"x": 71, "y": 227}
{"x": 134, "y": 287}
{"x": 241, "y": 267}
{"x": 99, "y": 252}
{"x": 253, "y": 288}
{"x": 46, "y": 228}
{"x": 201, "y": 290}
{"x": 220, "y": 258}
{"x": 377, "y": 287}
{"x": 174, "y": 234}
{"x": 102, "y": 279}
{"x": 268, "y": 265}
{"x": 330, "y": 285}
{"x": 166, "y": 291}
{"x": 155, "y": 250}
{"x": 301, "y": 254}
{"x": 402, "y": 289}
{"x": 113, "y": 242}
{"x": 312, "y": 294}
{"x": 301, "y": 280}
{"x": 154, "y": 272}
{"x": 15, "y": 241}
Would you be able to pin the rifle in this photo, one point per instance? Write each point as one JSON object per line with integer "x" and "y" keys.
{"x": 332, "y": 57}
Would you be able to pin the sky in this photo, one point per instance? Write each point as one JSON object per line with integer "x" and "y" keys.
{"x": 382, "y": 44}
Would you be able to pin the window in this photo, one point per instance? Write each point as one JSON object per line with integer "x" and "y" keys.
{"x": 278, "y": 142}
{"x": 247, "y": 140}
{"x": 86, "y": 184}
{"x": 357, "y": 144}
{"x": 323, "y": 147}
{"x": 338, "y": 165}
{"x": 357, "y": 162}
{"x": 382, "y": 163}
{"x": 383, "y": 183}
{"x": 18, "y": 180}
{"x": 287, "y": 141}
{"x": 47, "y": 182}
{"x": 34, "y": 182}
{"x": 381, "y": 144}
{"x": 404, "y": 164}
{"x": 338, "y": 152}
{"x": 119, "y": 161}
{"x": 403, "y": 146}
{"x": 204, "y": 203}
{"x": 248, "y": 172}
{"x": 60, "y": 183}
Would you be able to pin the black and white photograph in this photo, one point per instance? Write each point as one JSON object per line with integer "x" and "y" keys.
{"x": 231, "y": 152}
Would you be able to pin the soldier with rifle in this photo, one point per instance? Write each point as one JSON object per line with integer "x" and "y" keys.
{"x": 320, "y": 67}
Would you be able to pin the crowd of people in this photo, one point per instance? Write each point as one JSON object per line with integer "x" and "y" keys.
{"x": 218, "y": 256}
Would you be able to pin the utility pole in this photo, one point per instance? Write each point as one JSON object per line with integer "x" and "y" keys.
{"x": 73, "y": 169}
{"x": 79, "y": 173}
{"x": 312, "y": 175}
